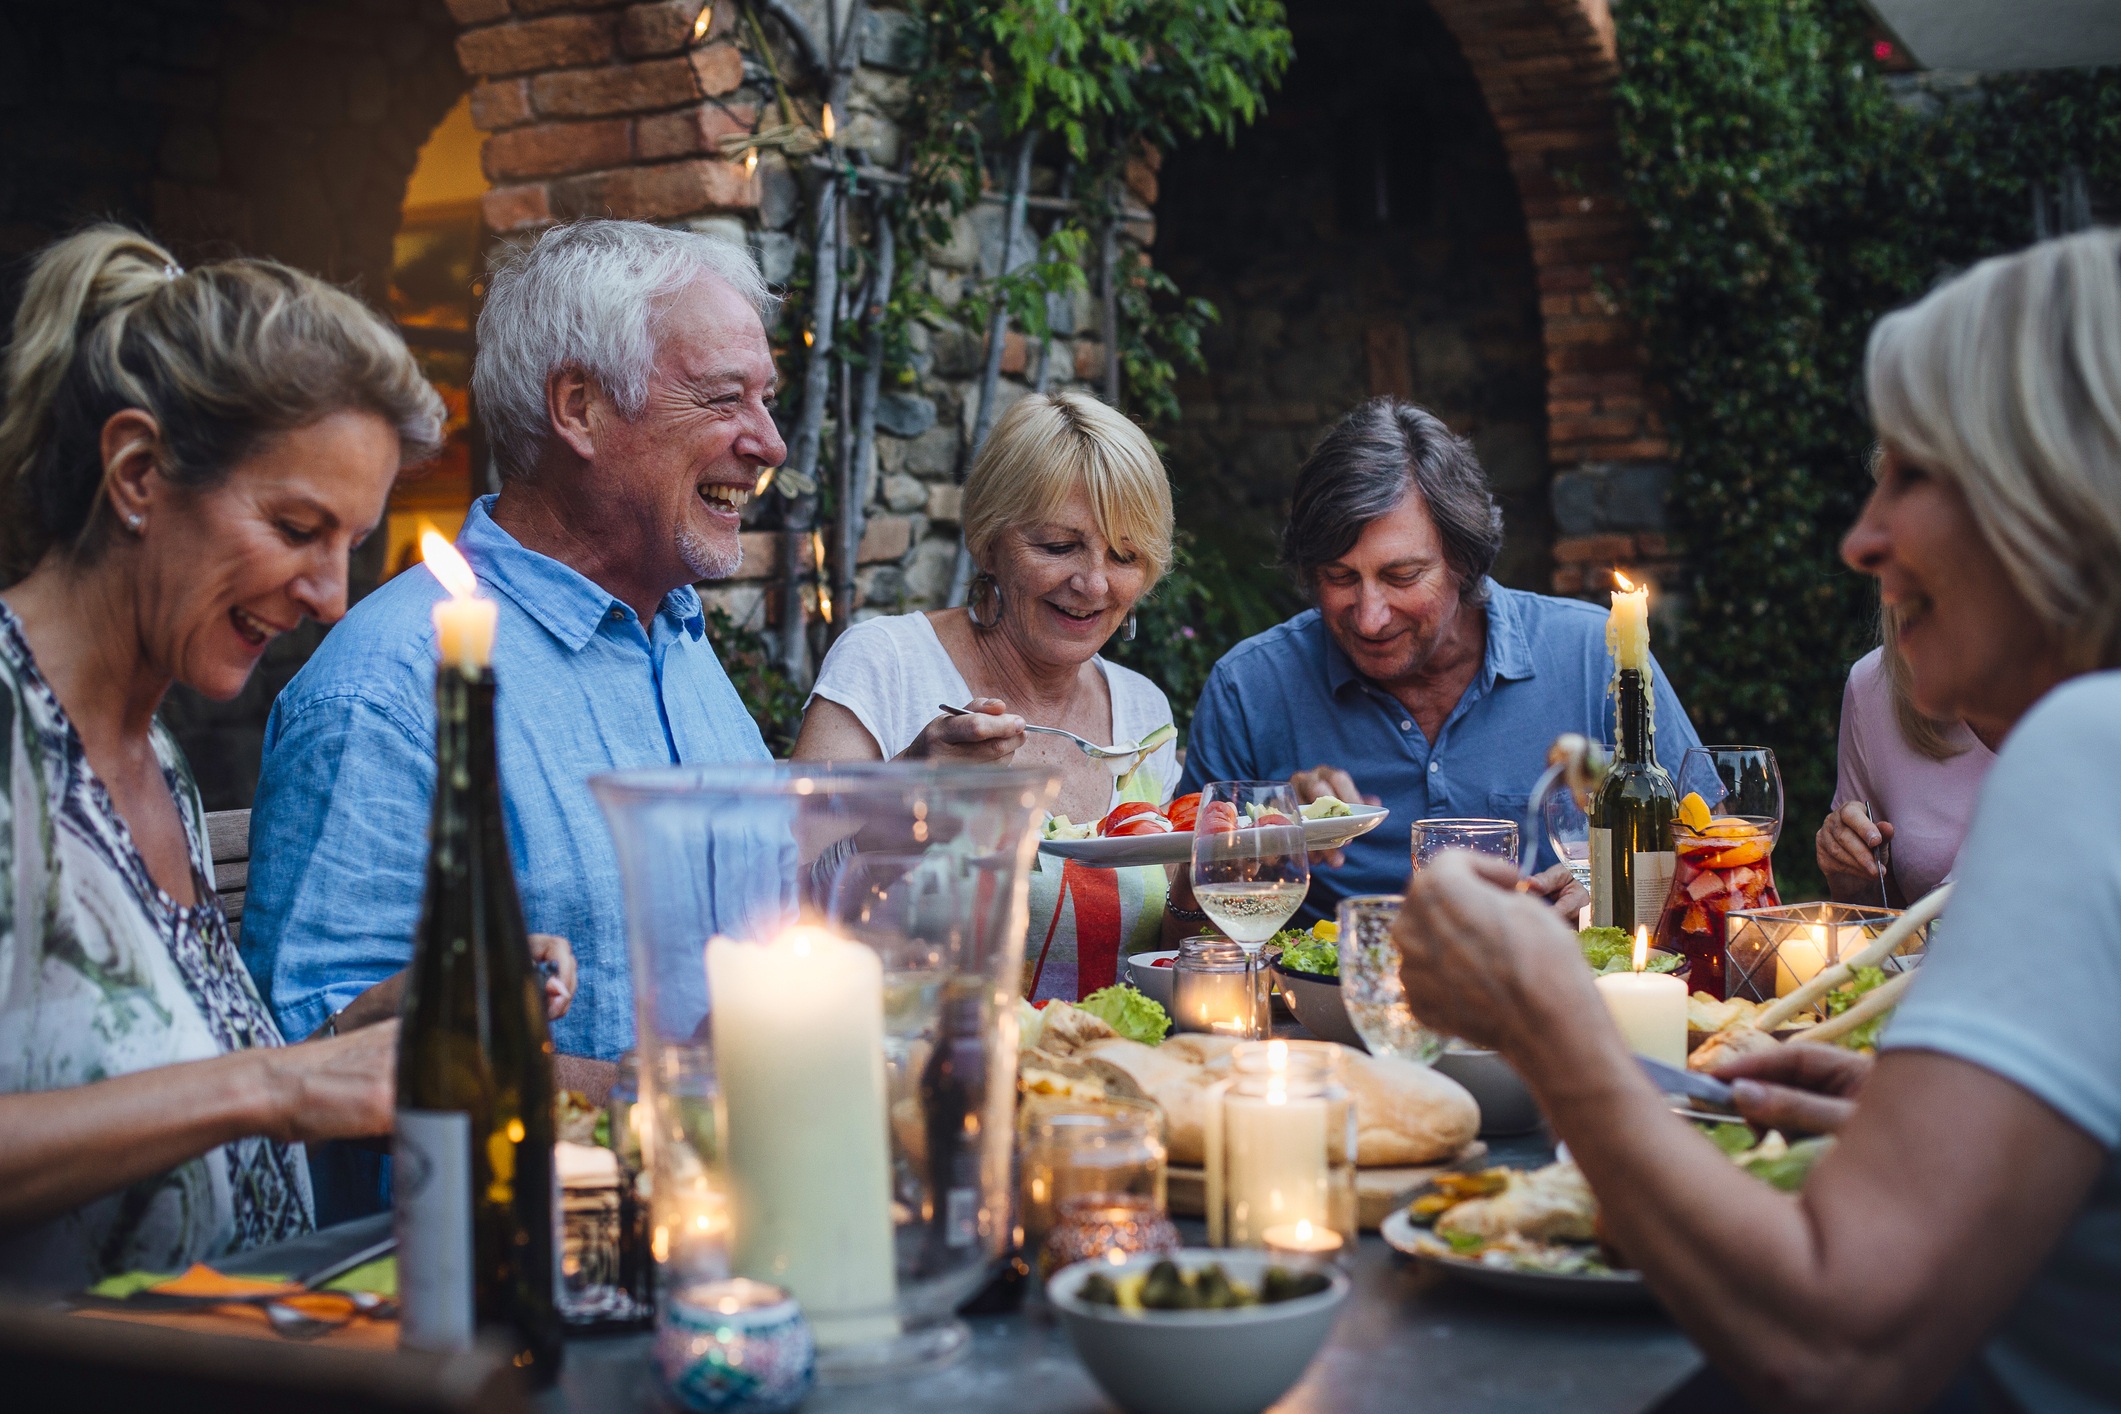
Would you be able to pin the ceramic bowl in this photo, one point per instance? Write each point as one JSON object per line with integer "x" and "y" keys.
{"x": 1152, "y": 982}
{"x": 1316, "y": 1001}
{"x": 1197, "y": 1362}
{"x": 1506, "y": 1104}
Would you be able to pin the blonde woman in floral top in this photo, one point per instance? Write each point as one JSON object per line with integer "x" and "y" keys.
{"x": 185, "y": 462}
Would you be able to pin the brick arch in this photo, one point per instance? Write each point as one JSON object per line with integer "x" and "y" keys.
{"x": 1546, "y": 68}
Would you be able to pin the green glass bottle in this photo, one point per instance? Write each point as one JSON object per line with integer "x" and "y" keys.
{"x": 1632, "y": 857}
{"x": 473, "y": 1178}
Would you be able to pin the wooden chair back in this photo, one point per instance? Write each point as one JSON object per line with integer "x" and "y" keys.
{"x": 228, "y": 845}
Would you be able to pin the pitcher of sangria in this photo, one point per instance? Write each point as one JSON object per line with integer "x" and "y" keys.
{"x": 1730, "y": 815}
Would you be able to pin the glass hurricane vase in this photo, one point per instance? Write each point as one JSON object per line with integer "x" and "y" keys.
{"x": 825, "y": 963}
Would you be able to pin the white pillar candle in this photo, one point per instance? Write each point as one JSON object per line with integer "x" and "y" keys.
{"x": 1272, "y": 1147}
{"x": 464, "y": 623}
{"x": 1648, "y": 1007}
{"x": 1627, "y": 627}
{"x": 1798, "y": 959}
{"x": 799, "y": 1050}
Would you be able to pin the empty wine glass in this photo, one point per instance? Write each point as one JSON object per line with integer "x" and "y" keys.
{"x": 1370, "y": 988}
{"x": 1496, "y": 838}
{"x": 1251, "y": 867}
{"x": 1569, "y": 831}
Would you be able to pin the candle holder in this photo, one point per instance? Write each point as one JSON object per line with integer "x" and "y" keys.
{"x": 1111, "y": 1148}
{"x": 1110, "y": 1225}
{"x": 734, "y": 1347}
{"x": 1771, "y": 952}
{"x": 825, "y": 962}
{"x": 1280, "y": 1141}
{"x": 1219, "y": 987}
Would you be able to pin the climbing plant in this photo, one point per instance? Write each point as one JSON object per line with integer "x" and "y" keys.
{"x": 1790, "y": 193}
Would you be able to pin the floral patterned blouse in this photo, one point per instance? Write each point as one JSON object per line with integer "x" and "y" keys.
{"x": 103, "y": 974}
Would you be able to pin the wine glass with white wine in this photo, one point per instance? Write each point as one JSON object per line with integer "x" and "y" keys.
{"x": 1251, "y": 867}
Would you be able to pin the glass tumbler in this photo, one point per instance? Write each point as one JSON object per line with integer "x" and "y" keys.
{"x": 1073, "y": 1148}
{"x": 1370, "y": 989}
{"x": 1219, "y": 987}
{"x": 1497, "y": 838}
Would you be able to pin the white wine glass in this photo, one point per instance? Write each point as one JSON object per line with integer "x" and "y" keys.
{"x": 1251, "y": 867}
{"x": 1569, "y": 831}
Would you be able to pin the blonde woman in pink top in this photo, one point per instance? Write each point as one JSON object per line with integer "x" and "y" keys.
{"x": 1906, "y": 789}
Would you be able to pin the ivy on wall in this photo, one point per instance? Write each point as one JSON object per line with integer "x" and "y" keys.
{"x": 1790, "y": 194}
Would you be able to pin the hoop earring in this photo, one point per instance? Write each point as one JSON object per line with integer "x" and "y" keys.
{"x": 1126, "y": 635}
{"x": 982, "y": 584}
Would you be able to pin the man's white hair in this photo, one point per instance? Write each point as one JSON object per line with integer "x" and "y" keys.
{"x": 588, "y": 295}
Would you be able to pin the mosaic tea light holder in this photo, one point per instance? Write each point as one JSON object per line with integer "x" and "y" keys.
{"x": 733, "y": 1347}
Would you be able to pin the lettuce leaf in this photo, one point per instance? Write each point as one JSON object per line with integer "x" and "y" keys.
{"x": 1132, "y": 1015}
{"x": 1864, "y": 1037}
{"x": 1612, "y": 950}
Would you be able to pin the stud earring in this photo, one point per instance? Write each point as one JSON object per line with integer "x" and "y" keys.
{"x": 132, "y": 523}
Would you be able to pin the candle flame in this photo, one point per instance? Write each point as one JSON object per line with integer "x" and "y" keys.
{"x": 808, "y": 338}
{"x": 1277, "y": 1055}
{"x": 829, "y": 125}
{"x": 447, "y": 565}
{"x": 1622, "y": 580}
{"x": 765, "y": 480}
{"x": 824, "y": 594}
{"x": 699, "y": 26}
{"x": 1642, "y": 946}
{"x": 1116, "y": 1257}
{"x": 1303, "y": 1229}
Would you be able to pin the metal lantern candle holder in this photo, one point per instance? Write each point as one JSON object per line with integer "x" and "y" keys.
{"x": 825, "y": 964}
{"x": 1770, "y": 952}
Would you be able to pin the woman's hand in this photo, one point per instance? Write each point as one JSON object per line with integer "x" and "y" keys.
{"x": 986, "y": 732}
{"x": 1848, "y": 847}
{"x": 345, "y": 1087}
{"x": 559, "y": 983}
{"x": 1481, "y": 960}
{"x": 1561, "y": 891}
{"x": 1797, "y": 1086}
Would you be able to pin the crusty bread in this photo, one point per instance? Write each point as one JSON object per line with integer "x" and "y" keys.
{"x": 1406, "y": 1113}
{"x": 1176, "y": 1082}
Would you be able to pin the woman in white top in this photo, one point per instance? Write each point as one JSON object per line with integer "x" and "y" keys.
{"x": 1068, "y": 519}
{"x": 1972, "y": 1200}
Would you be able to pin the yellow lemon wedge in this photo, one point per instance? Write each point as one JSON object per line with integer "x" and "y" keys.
{"x": 1694, "y": 812}
{"x": 1326, "y": 931}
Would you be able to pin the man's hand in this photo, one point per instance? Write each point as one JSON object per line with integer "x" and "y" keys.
{"x": 560, "y": 981}
{"x": 1320, "y": 782}
{"x": 1560, "y": 889}
{"x": 1797, "y": 1086}
{"x": 1848, "y": 847}
{"x": 987, "y": 732}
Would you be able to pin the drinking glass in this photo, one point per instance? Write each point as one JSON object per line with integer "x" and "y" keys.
{"x": 1251, "y": 867}
{"x": 1726, "y": 865}
{"x": 1496, "y": 838}
{"x": 1369, "y": 982}
{"x": 1569, "y": 831}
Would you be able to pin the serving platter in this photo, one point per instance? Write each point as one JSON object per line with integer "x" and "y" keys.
{"x": 1611, "y": 1289}
{"x": 1177, "y": 846}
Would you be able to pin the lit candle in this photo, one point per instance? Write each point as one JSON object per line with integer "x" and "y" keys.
{"x": 1301, "y": 1239}
{"x": 463, "y": 622}
{"x": 799, "y": 1049}
{"x": 1627, "y": 627}
{"x": 1648, "y": 1007}
{"x": 1798, "y": 959}
{"x": 1274, "y": 1151}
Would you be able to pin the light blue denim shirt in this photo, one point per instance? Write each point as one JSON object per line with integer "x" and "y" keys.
{"x": 339, "y": 833}
{"x": 1288, "y": 699}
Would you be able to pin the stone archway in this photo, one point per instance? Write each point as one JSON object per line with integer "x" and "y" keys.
{"x": 1546, "y": 68}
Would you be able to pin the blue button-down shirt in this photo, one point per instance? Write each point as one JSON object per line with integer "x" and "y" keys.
{"x": 339, "y": 832}
{"x": 1288, "y": 700}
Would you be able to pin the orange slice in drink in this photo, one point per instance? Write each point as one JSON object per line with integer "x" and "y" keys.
{"x": 1694, "y": 812}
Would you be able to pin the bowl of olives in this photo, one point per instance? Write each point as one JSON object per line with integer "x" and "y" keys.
{"x": 1199, "y": 1331}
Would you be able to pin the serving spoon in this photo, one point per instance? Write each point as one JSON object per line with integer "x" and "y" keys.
{"x": 1128, "y": 752}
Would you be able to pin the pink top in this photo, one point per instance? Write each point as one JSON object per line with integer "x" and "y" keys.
{"x": 1929, "y": 803}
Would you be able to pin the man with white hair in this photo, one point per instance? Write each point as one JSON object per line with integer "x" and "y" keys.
{"x": 626, "y": 381}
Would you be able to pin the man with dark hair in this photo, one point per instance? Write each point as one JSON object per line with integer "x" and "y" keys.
{"x": 1416, "y": 682}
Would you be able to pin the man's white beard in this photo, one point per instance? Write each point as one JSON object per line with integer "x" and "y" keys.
{"x": 703, "y": 559}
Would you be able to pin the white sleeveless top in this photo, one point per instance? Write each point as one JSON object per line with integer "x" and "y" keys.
{"x": 893, "y": 672}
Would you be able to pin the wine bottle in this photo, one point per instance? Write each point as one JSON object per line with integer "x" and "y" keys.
{"x": 473, "y": 1178}
{"x": 953, "y": 1094}
{"x": 1632, "y": 857}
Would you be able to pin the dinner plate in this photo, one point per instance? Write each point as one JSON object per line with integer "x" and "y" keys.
{"x": 1176, "y": 847}
{"x": 1614, "y": 1289}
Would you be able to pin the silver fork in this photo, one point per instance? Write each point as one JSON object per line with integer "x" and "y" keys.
{"x": 1129, "y": 753}
{"x": 1885, "y": 855}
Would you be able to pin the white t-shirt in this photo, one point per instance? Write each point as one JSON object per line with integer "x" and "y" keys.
{"x": 2024, "y": 980}
{"x": 893, "y": 673}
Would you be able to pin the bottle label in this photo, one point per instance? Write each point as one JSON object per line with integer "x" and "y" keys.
{"x": 1653, "y": 884}
{"x": 961, "y": 1217}
{"x": 1601, "y": 878}
{"x": 430, "y": 1179}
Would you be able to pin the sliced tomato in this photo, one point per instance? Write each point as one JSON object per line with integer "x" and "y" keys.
{"x": 1140, "y": 825}
{"x": 1183, "y": 811}
{"x": 1273, "y": 817}
{"x": 1161, "y": 962}
{"x": 1217, "y": 817}
{"x": 1125, "y": 812}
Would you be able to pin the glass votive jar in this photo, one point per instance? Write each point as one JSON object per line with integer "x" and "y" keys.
{"x": 1070, "y": 1148}
{"x": 1219, "y": 987}
{"x": 1370, "y": 989}
{"x": 733, "y": 1347}
{"x": 1280, "y": 1142}
{"x": 1115, "y": 1225}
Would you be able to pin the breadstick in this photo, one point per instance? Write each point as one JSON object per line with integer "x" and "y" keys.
{"x": 1828, "y": 978}
{"x": 1883, "y": 997}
